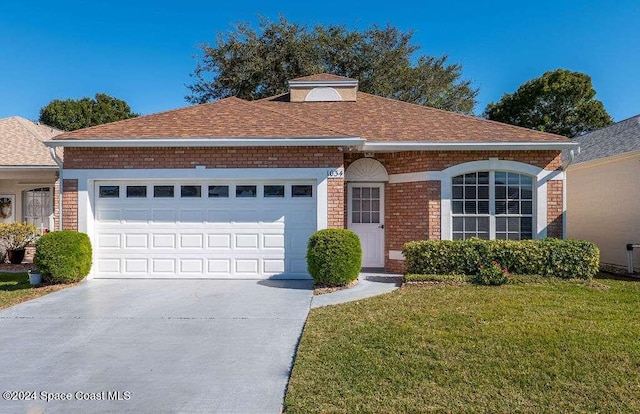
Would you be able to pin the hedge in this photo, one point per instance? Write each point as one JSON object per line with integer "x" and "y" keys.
{"x": 63, "y": 256}
{"x": 334, "y": 257}
{"x": 547, "y": 257}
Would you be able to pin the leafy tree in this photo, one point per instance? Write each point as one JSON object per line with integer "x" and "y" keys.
{"x": 254, "y": 64}
{"x": 560, "y": 101}
{"x": 72, "y": 114}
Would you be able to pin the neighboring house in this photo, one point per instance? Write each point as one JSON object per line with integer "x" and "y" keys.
{"x": 28, "y": 173}
{"x": 604, "y": 192}
{"x": 233, "y": 189}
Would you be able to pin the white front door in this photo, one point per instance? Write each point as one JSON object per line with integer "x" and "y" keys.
{"x": 366, "y": 219}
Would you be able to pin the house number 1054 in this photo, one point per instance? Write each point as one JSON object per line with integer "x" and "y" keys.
{"x": 337, "y": 173}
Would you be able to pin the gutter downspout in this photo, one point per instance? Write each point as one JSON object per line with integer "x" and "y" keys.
{"x": 52, "y": 152}
{"x": 564, "y": 191}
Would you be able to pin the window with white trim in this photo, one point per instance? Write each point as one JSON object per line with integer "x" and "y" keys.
{"x": 37, "y": 205}
{"x": 492, "y": 205}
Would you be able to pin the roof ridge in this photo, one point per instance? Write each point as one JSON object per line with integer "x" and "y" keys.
{"x": 30, "y": 131}
{"x": 472, "y": 117}
{"x": 619, "y": 123}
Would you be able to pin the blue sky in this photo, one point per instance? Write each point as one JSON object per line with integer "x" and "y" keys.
{"x": 143, "y": 51}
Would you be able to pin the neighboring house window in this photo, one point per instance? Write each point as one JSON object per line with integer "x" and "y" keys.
{"x": 37, "y": 205}
{"x": 492, "y": 205}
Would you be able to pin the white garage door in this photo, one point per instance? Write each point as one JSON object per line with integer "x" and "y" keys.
{"x": 203, "y": 229}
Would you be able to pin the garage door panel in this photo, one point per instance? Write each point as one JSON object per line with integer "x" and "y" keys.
{"x": 109, "y": 266}
{"x": 218, "y": 216}
{"x": 109, "y": 241}
{"x": 246, "y": 241}
{"x": 244, "y": 216}
{"x": 136, "y": 266}
{"x": 135, "y": 215}
{"x": 163, "y": 265}
{"x": 191, "y": 216}
{"x": 163, "y": 241}
{"x": 191, "y": 265}
{"x": 254, "y": 237}
{"x": 246, "y": 266}
{"x": 163, "y": 216}
{"x": 191, "y": 241}
{"x": 273, "y": 266}
{"x": 219, "y": 241}
{"x": 132, "y": 240}
{"x": 106, "y": 216}
{"x": 298, "y": 266}
{"x": 219, "y": 266}
{"x": 272, "y": 216}
{"x": 273, "y": 241}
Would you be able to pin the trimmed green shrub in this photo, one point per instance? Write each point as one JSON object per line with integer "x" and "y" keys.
{"x": 334, "y": 257}
{"x": 548, "y": 257}
{"x": 492, "y": 274}
{"x": 63, "y": 256}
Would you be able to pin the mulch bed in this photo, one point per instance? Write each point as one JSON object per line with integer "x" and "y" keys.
{"x": 321, "y": 290}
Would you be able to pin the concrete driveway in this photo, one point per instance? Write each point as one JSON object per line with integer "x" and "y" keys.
{"x": 154, "y": 346}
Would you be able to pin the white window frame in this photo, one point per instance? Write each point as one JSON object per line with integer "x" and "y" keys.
{"x": 540, "y": 178}
{"x": 492, "y": 203}
{"x": 48, "y": 218}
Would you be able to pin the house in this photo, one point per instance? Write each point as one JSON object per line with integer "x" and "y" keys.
{"x": 28, "y": 173}
{"x": 604, "y": 192}
{"x": 233, "y": 189}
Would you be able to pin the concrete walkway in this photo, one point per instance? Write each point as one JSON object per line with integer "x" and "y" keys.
{"x": 369, "y": 284}
{"x": 154, "y": 346}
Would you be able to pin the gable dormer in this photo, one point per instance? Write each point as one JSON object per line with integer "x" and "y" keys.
{"x": 323, "y": 87}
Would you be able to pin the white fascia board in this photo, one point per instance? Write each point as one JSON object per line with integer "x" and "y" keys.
{"x": 209, "y": 142}
{"x": 329, "y": 83}
{"x": 465, "y": 146}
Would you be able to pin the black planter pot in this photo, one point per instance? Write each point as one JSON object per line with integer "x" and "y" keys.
{"x": 15, "y": 256}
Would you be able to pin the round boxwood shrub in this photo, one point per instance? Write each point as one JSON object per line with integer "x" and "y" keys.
{"x": 334, "y": 257}
{"x": 63, "y": 256}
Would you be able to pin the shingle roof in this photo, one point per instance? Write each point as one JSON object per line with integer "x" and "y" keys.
{"x": 322, "y": 77}
{"x": 616, "y": 139}
{"x": 378, "y": 119}
{"x": 227, "y": 118}
{"x": 21, "y": 142}
{"x": 371, "y": 117}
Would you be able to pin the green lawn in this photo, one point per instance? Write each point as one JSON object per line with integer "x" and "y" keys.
{"x": 15, "y": 288}
{"x": 538, "y": 347}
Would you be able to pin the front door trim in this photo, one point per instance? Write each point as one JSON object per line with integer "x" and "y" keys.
{"x": 369, "y": 258}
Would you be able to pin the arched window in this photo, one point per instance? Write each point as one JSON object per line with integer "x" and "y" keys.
{"x": 492, "y": 205}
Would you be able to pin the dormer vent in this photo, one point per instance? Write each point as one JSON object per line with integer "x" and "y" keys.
{"x": 323, "y": 88}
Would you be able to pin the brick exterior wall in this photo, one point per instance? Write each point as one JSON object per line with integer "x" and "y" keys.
{"x": 554, "y": 209}
{"x": 336, "y": 203}
{"x": 412, "y": 210}
{"x": 70, "y": 204}
{"x": 417, "y": 161}
{"x": 250, "y": 157}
